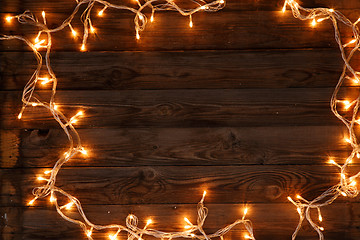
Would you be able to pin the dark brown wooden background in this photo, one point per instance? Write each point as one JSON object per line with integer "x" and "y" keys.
{"x": 238, "y": 105}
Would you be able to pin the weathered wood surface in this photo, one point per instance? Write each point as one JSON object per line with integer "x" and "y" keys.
{"x": 237, "y": 105}
{"x": 234, "y": 30}
{"x": 253, "y": 5}
{"x": 179, "y": 108}
{"x": 135, "y": 70}
{"x": 308, "y": 145}
{"x": 170, "y": 184}
{"x": 342, "y": 220}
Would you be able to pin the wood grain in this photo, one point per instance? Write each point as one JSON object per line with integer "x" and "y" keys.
{"x": 237, "y": 105}
{"x": 183, "y": 69}
{"x": 233, "y": 31}
{"x": 170, "y": 184}
{"x": 180, "y": 108}
{"x": 231, "y": 5}
{"x": 308, "y": 145}
{"x": 341, "y": 220}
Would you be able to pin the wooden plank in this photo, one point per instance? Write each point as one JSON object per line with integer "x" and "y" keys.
{"x": 170, "y": 31}
{"x": 249, "y": 5}
{"x": 271, "y": 221}
{"x": 179, "y": 108}
{"x": 170, "y": 184}
{"x": 189, "y": 69}
{"x": 178, "y": 146}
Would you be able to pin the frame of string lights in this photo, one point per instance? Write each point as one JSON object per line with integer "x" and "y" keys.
{"x": 347, "y": 184}
{"x": 63, "y": 200}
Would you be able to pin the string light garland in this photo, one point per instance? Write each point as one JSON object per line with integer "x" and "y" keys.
{"x": 347, "y": 186}
{"x": 58, "y": 196}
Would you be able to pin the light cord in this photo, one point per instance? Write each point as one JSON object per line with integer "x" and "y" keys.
{"x": 43, "y": 43}
{"x": 347, "y": 184}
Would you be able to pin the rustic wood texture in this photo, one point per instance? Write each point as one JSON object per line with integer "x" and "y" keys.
{"x": 230, "y": 28}
{"x": 181, "y": 69}
{"x": 237, "y": 105}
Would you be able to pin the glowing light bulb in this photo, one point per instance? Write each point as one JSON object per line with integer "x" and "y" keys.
{"x": 331, "y": 161}
{"x": 188, "y": 222}
{"x": 36, "y": 40}
{"x": 148, "y": 222}
{"x": 284, "y": 8}
{"x": 101, "y": 12}
{"x": 83, "y": 151}
{"x": 47, "y": 172}
{"x": 344, "y": 194}
{"x": 9, "y": 19}
{"x": 245, "y": 211}
{"x": 203, "y": 7}
{"x": 31, "y": 202}
{"x": 55, "y": 106}
{"x": 73, "y": 32}
{"x": 222, "y": 1}
{"x": 353, "y": 183}
{"x": 347, "y": 104}
{"x": 246, "y": 236}
{"x": 92, "y": 29}
{"x": 44, "y": 80}
{"x": 52, "y": 199}
{"x": 321, "y": 19}
{"x": 320, "y": 218}
{"x": 347, "y": 140}
{"x": 89, "y": 232}
{"x": 141, "y": 17}
{"x": 20, "y": 116}
{"x": 43, "y": 15}
{"x": 321, "y": 228}
{"x": 357, "y": 21}
{"x": 39, "y": 44}
{"x": 83, "y": 48}
{"x": 34, "y": 104}
{"x": 137, "y": 35}
{"x": 112, "y": 237}
{"x": 313, "y": 23}
{"x": 41, "y": 179}
{"x": 152, "y": 18}
{"x": 331, "y": 10}
{"x": 68, "y": 206}
{"x": 191, "y": 24}
{"x": 352, "y": 41}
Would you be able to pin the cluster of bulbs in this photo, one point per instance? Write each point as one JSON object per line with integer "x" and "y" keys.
{"x": 347, "y": 186}
{"x": 344, "y": 109}
{"x": 64, "y": 202}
